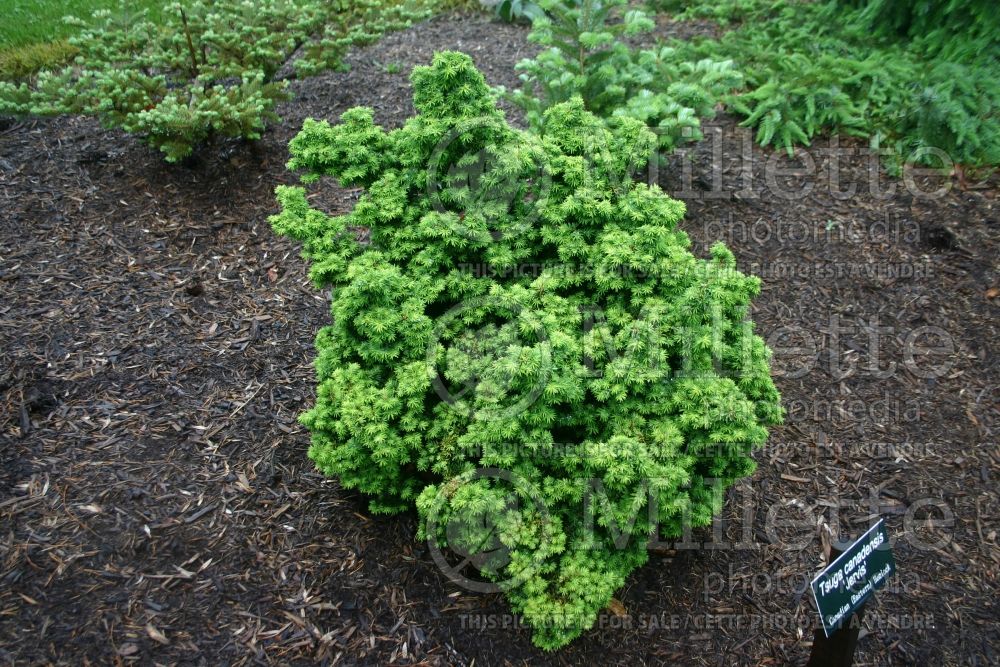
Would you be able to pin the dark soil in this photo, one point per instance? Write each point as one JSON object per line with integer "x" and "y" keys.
{"x": 157, "y": 506}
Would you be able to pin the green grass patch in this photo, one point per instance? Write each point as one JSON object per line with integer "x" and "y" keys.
{"x": 28, "y": 22}
{"x": 22, "y": 61}
{"x": 33, "y": 35}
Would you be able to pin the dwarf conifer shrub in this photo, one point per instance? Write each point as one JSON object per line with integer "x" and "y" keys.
{"x": 206, "y": 68}
{"x": 586, "y": 56}
{"x": 526, "y": 350}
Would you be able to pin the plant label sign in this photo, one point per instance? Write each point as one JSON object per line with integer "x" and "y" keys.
{"x": 847, "y": 583}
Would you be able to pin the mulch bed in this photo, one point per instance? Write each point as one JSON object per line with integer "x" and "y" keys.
{"x": 156, "y": 504}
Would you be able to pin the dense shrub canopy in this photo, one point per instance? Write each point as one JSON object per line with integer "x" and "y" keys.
{"x": 527, "y": 349}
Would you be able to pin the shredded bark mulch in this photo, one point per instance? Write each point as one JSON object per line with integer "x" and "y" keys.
{"x": 157, "y": 506}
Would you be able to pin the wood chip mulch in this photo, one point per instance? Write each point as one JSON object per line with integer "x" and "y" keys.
{"x": 157, "y": 507}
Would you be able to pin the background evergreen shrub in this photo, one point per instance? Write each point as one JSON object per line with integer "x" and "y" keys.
{"x": 913, "y": 76}
{"x": 587, "y": 57}
{"x": 204, "y": 68}
{"x": 594, "y": 387}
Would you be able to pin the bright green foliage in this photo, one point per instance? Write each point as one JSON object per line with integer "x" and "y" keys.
{"x": 674, "y": 93}
{"x": 586, "y": 57}
{"x": 617, "y": 383}
{"x": 204, "y": 69}
{"x": 911, "y": 75}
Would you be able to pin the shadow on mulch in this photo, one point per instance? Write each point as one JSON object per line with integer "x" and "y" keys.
{"x": 156, "y": 505}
